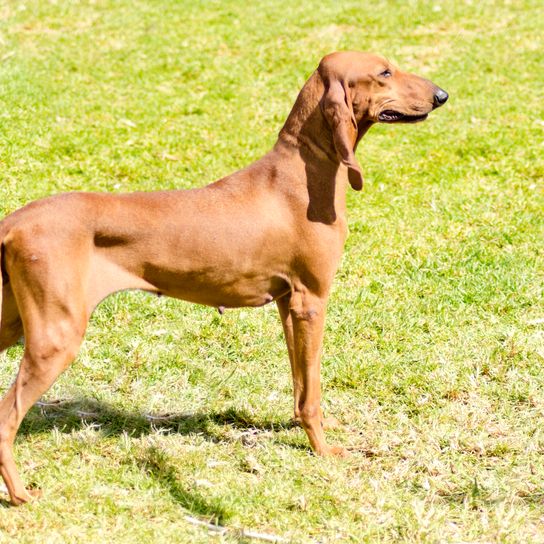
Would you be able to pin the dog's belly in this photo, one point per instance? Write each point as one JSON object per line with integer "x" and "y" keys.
{"x": 221, "y": 288}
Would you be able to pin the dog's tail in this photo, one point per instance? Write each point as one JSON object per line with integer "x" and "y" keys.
{"x": 1, "y": 277}
{"x": 3, "y": 271}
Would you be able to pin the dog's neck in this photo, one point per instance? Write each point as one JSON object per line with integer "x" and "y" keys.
{"x": 307, "y": 137}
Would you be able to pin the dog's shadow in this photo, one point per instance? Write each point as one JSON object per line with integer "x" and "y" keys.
{"x": 74, "y": 415}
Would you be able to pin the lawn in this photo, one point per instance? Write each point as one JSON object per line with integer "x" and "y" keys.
{"x": 434, "y": 347}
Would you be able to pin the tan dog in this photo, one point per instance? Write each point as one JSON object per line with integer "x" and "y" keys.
{"x": 273, "y": 231}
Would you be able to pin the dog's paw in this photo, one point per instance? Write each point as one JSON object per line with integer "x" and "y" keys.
{"x": 332, "y": 451}
{"x": 29, "y": 495}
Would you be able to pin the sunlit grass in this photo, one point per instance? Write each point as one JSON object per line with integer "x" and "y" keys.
{"x": 435, "y": 341}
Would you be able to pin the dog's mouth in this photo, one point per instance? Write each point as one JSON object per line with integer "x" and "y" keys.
{"x": 392, "y": 116}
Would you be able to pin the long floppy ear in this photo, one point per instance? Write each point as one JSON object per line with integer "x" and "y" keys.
{"x": 338, "y": 112}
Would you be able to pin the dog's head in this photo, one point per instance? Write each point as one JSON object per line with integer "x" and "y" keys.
{"x": 362, "y": 89}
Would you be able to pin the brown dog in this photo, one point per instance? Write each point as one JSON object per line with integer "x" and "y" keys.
{"x": 273, "y": 231}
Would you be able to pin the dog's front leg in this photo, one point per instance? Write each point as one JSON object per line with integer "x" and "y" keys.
{"x": 329, "y": 422}
{"x": 303, "y": 325}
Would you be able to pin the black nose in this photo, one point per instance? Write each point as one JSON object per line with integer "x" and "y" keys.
{"x": 440, "y": 97}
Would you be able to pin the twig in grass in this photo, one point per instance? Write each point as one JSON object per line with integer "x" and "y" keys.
{"x": 87, "y": 415}
{"x": 163, "y": 418}
{"x": 262, "y": 536}
{"x": 53, "y": 403}
{"x": 58, "y": 405}
{"x": 244, "y": 533}
{"x": 210, "y": 526}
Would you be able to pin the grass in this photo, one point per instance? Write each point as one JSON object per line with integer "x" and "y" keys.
{"x": 435, "y": 342}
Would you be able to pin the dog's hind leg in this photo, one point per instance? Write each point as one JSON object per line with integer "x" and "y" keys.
{"x": 54, "y": 318}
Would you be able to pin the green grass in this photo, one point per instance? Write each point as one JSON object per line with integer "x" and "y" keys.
{"x": 434, "y": 346}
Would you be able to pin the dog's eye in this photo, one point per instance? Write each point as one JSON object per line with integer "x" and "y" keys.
{"x": 386, "y": 73}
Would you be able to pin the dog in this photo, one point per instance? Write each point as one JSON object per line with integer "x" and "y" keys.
{"x": 272, "y": 232}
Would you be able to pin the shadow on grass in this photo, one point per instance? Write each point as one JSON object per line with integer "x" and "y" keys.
{"x": 73, "y": 415}
{"x": 155, "y": 464}
{"x": 68, "y": 416}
